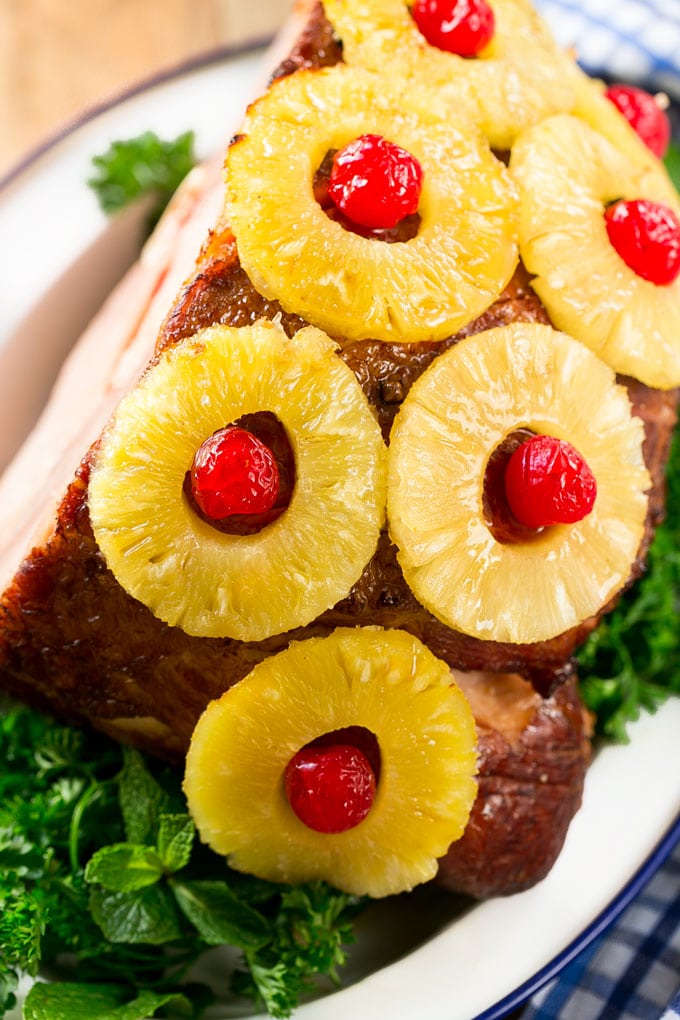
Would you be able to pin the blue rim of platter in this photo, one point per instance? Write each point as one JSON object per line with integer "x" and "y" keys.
{"x": 604, "y": 920}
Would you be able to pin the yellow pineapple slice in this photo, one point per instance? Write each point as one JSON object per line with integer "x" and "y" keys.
{"x": 242, "y": 586}
{"x": 567, "y": 173}
{"x": 521, "y": 376}
{"x": 521, "y": 77}
{"x": 601, "y": 115}
{"x": 358, "y": 287}
{"x": 384, "y": 681}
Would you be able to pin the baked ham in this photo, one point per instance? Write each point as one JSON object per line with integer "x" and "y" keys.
{"x": 74, "y": 643}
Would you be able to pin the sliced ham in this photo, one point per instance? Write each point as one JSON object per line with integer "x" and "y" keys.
{"x": 106, "y": 362}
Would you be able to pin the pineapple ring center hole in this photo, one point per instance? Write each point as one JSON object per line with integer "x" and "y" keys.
{"x": 266, "y": 427}
{"x": 498, "y": 516}
{"x": 356, "y": 736}
{"x": 405, "y": 230}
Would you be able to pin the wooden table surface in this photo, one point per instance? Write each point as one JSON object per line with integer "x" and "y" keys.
{"x": 59, "y": 57}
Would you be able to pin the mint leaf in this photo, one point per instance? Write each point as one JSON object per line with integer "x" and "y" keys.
{"x": 142, "y": 799}
{"x": 124, "y": 867}
{"x": 73, "y": 1001}
{"x": 145, "y": 916}
{"x": 61, "y": 802}
{"x": 219, "y": 916}
{"x": 175, "y": 840}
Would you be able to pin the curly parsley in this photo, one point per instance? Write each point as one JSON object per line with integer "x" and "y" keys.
{"x": 672, "y": 161}
{"x": 142, "y": 166}
{"x": 631, "y": 661}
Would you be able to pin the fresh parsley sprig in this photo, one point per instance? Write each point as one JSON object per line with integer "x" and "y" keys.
{"x": 48, "y": 774}
{"x": 308, "y": 940}
{"x": 672, "y": 161}
{"x": 142, "y": 166}
{"x": 631, "y": 661}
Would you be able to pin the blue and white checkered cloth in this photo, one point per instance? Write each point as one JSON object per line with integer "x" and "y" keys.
{"x": 632, "y": 970}
{"x": 632, "y": 40}
{"x": 673, "y": 1011}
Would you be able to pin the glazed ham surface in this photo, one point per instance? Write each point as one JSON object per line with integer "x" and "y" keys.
{"x": 74, "y": 643}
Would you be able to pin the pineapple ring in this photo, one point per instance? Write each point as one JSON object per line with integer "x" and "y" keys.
{"x": 567, "y": 173}
{"x": 461, "y": 409}
{"x": 384, "y": 680}
{"x": 602, "y": 116}
{"x": 521, "y": 77}
{"x": 241, "y": 586}
{"x": 357, "y": 287}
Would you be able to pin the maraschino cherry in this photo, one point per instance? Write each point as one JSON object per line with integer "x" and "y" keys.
{"x": 233, "y": 472}
{"x": 374, "y": 182}
{"x": 646, "y": 235}
{"x": 463, "y": 27}
{"x": 330, "y": 789}
{"x": 644, "y": 114}
{"x": 548, "y": 482}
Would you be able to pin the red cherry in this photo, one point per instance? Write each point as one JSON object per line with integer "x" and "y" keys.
{"x": 463, "y": 27}
{"x": 643, "y": 113}
{"x": 233, "y": 472}
{"x": 330, "y": 789}
{"x": 548, "y": 482}
{"x": 646, "y": 235}
{"x": 375, "y": 183}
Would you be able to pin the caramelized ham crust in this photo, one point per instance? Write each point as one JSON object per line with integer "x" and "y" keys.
{"x": 530, "y": 785}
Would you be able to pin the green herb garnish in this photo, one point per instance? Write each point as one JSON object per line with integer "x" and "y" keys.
{"x": 142, "y": 166}
{"x": 631, "y": 661}
{"x": 98, "y": 859}
{"x": 78, "y": 1001}
{"x": 672, "y": 161}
